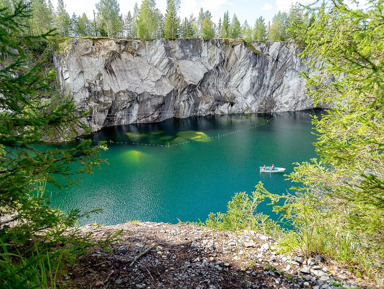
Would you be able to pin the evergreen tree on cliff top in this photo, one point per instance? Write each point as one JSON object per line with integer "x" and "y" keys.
{"x": 225, "y": 31}
{"x": 147, "y": 23}
{"x": 30, "y": 112}
{"x": 207, "y": 29}
{"x": 109, "y": 17}
{"x": 171, "y": 22}
{"x": 259, "y": 30}
{"x": 42, "y": 17}
{"x": 277, "y": 31}
{"x": 235, "y": 28}
{"x": 62, "y": 20}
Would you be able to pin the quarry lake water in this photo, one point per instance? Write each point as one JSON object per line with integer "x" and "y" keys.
{"x": 183, "y": 169}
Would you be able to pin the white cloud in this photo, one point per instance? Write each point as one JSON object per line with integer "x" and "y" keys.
{"x": 187, "y": 8}
{"x": 285, "y": 5}
{"x": 266, "y": 6}
{"x": 212, "y": 5}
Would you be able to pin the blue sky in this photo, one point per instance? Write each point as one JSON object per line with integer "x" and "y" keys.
{"x": 248, "y": 10}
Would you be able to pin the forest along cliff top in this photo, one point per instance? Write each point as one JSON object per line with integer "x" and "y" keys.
{"x": 159, "y": 255}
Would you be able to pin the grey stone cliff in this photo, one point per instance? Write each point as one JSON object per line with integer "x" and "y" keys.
{"x": 130, "y": 81}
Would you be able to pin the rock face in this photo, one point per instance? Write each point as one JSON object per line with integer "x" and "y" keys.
{"x": 129, "y": 81}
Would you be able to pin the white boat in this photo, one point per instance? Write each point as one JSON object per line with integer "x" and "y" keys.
{"x": 269, "y": 170}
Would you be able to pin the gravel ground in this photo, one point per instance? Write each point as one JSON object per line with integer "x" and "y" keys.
{"x": 158, "y": 255}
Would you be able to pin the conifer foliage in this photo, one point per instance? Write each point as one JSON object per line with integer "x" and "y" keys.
{"x": 343, "y": 190}
{"x": 29, "y": 113}
{"x": 171, "y": 22}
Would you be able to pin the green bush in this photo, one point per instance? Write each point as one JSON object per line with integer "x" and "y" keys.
{"x": 242, "y": 214}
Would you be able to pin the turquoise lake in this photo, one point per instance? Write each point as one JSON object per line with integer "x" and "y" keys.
{"x": 183, "y": 169}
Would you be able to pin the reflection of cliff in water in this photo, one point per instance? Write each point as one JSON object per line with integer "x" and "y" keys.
{"x": 193, "y": 129}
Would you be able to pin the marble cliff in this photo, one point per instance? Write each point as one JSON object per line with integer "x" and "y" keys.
{"x": 131, "y": 81}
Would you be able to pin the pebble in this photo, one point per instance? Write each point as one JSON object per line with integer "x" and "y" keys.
{"x": 264, "y": 247}
{"x": 320, "y": 258}
{"x": 299, "y": 259}
{"x": 305, "y": 270}
{"x": 324, "y": 277}
{"x": 118, "y": 281}
{"x": 341, "y": 276}
{"x": 311, "y": 262}
{"x": 288, "y": 268}
{"x": 318, "y": 273}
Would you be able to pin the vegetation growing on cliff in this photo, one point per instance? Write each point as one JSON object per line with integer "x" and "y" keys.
{"x": 32, "y": 244}
{"x": 338, "y": 207}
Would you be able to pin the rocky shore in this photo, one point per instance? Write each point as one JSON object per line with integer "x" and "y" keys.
{"x": 158, "y": 255}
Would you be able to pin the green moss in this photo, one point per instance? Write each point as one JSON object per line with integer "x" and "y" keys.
{"x": 61, "y": 45}
{"x": 251, "y": 47}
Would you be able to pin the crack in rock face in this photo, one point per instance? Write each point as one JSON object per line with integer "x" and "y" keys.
{"x": 135, "y": 80}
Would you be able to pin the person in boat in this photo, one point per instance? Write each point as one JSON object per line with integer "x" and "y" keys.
{"x": 272, "y": 167}
{"x": 263, "y": 167}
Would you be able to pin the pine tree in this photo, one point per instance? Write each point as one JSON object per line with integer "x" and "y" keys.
{"x": 189, "y": 27}
{"x": 42, "y": 17}
{"x": 207, "y": 30}
{"x": 127, "y": 27}
{"x": 339, "y": 208}
{"x": 218, "y": 30}
{"x": 147, "y": 24}
{"x": 247, "y": 32}
{"x": 296, "y": 22}
{"x": 225, "y": 29}
{"x": 62, "y": 20}
{"x": 83, "y": 26}
{"x": 29, "y": 113}
{"x": 135, "y": 20}
{"x": 235, "y": 28}
{"x": 171, "y": 22}
{"x": 278, "y": 29}
{"x": 159, "y": 23}
{"x": 74, "y": 23}
{"x": 109, "y": 17}
{"x": 260, "y": 31}
{"x": 202, "y": 15}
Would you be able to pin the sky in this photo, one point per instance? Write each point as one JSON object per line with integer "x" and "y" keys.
{"x": 248, "y": 10}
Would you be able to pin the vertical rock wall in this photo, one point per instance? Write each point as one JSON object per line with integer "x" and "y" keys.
{"x": 129, "y": 81}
